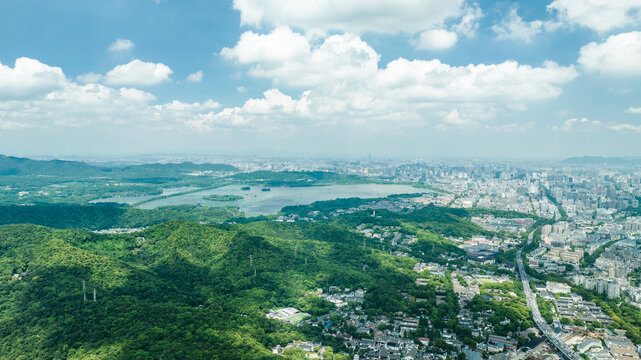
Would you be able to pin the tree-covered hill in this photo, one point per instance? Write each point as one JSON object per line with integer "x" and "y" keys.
{"x": 297, "y": 178}
{"x": 108, "y": 216}
{"x": 180, "y": 290}
{"x": 11, "y": 165}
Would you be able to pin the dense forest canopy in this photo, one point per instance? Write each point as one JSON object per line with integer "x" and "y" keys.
{"x": 181, "y": 290}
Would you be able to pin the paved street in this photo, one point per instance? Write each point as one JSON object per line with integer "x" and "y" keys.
{"x": 536, "y": 314}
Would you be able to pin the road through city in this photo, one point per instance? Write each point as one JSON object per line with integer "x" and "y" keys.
{"x": 547, "y": 331}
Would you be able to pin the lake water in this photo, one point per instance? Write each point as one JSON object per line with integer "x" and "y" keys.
{"x": 134, "y": 199}
{"x": 122, "y": 199}
{"x": 257, "y": 202}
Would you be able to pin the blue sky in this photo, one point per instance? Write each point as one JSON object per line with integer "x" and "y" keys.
{"x": 412, "y": 78}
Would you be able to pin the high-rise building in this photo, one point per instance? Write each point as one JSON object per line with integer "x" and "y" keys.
{"x": 614, "y": 290}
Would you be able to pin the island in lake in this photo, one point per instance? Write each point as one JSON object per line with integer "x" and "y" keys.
{"x": 218, "y": 197}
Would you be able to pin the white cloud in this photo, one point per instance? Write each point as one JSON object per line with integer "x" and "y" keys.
{"x": 357, "y": 16}
{"x": 279, "y": 45}
{"x": 346, "y": 63}
{"x": 138, "y": 73}
{"x": 48, "y": 99}
{"x": 455, "y": 118}
{"x": 514, "y": 28}
{"x": 29, "y": 77}
{"x": 633, "y": 110}
{"x": 598, "y": 15}
{"x": 275, "y": 109}
{"x": 121, "y": 45}
{"x": 619, "y": 55}
{"x": 437, "y": 39}
{"x": 578, "y": 124}
{"x": 625, "y": 128}
{"x": 88, "y": 78}
{"x": 433, "y": 80}
{"x": 195, "y": 77}
{"x": 10, "y": 125}
{"x": 469, "y": 21}
{"x": 339, "y": 58}
{"x": 342, "y": 82}
{"x": 345, "y": 81}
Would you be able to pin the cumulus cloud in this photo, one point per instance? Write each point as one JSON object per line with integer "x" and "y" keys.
{"x": 138, "y": 73}
{"x": 47, "y": 99}
{"x": 345, "y": 81}
{"x": 625, "y": 128}
{"x": 469, "y": 21}
{"x": 280, "y": 45}
{"x": 195, "y": 77}
{"x": 29, "y": 77}
{"x": 88, "y": 78}
{"x": 578, "y": 124}
{"x": 598, "y": 15}
{"x": 514, "y": 28}
{"x": 356, "y": 16}
{"x": 274, "y": 109}
{"x": 433, "y": 80}
{"x": 346, "y": 63}
{"x": 426, "y": 19}
{"x": 121, "y": 45}
{"x": 338, "y": 58}
{"x": 455, "y": 118}
{"x": 437, "y": 39}
{"x": 619, "y": 55}
{"x": 633, "y": 110}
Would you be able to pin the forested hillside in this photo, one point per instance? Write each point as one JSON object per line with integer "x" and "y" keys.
{"x": 11, "y": 165}
{"x": 181, "y": 290}
{"x": 109, "y": 216}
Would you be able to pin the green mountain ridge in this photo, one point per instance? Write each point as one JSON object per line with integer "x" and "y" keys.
{"x": 178, "y": 290}
{"x": 11, "y": 165}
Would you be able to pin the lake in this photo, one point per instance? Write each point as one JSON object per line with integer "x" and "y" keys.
{"x": 257, "y": 202}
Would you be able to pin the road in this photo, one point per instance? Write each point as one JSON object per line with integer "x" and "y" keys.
{"x": 536, "y": 314}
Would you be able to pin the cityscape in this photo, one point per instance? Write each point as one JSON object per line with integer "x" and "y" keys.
{"x": 320, "y": 179}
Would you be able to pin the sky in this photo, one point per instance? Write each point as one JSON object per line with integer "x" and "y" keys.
{"x": 394, "y": 78}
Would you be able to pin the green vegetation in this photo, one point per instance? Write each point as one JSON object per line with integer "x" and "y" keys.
{"x": 562, "y": 212}
{"x": 26, "y": 181}
{"x": 109, "y": 216}
{"x": 545, "y": 307}
{"x": 297, "y": 178}
{"x": 10, "y": 165}
{"x": 589, "y": 259}
{"x": 439, "y": 220}
{"x": 625, "y": 316}
{"x": 180, "y": 290}
{"x": 510, "y": 313}
{"x": 217, "y": 197}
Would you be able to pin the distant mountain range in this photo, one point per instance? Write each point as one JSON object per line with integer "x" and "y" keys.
{"x": 10, "y": 165}
{"x": 600, "y": 160}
